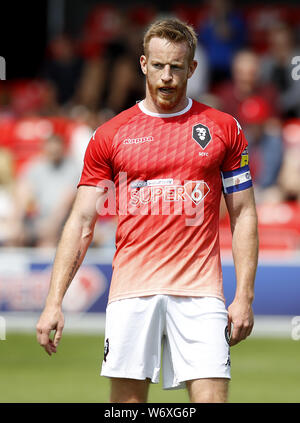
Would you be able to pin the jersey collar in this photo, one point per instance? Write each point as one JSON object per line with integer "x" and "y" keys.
{"x": 165, "y": 115}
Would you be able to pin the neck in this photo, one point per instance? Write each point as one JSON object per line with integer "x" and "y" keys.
{"x": 153, "y": 107}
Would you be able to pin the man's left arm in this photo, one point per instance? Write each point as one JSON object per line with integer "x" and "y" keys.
{"x": 243, "y": 220}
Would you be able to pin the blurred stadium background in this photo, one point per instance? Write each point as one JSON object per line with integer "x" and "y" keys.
{"x": 72, "y": 65}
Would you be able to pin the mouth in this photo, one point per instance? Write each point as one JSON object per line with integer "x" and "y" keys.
{"x": 166, "y": 90}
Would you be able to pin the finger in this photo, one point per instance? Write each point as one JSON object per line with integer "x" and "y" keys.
{"x": 39, "y": 332}
{"x": 50, "y": 347}
{"x": 246, "y": 328}
{"x": 58, "y": 335}
{"x": 229, "y": 325}
{"x": 44, "y": 336}
{"x": 241, "y": 332}
{"x": 47, "y": 348}
{"x": 38, "y": 335}
{"x": 234, "y": 342}
{"x": 236, "y": 334}
{"x": 249, "y": 330}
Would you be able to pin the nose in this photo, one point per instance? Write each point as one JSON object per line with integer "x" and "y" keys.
{"x": 166, "y": 74}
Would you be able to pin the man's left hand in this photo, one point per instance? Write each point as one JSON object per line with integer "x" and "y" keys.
{"x": 240, "y": 314}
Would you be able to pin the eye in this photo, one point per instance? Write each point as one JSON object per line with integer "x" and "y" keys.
{"x": 157, "y": 65}
{"x": 175, "y": 67}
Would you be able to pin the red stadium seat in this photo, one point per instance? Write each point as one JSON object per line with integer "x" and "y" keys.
{"x": 278, "y": 225}
{"x": 28, "y": 95}
{"x": 190, "y": 13}
{"x": 24, "y": 137}
{"x": 260, "y": 18}
{"x": 141, "y": 15}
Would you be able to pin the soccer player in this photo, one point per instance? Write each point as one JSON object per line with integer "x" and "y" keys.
{"x": 169, "y": 157}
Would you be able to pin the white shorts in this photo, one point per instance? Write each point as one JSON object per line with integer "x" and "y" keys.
{"x": 192, "y": 330}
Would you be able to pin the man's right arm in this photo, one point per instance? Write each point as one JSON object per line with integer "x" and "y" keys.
{"x": 75, "y": 240}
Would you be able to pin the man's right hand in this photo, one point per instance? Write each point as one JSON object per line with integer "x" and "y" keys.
{"x": 52, "y": 318}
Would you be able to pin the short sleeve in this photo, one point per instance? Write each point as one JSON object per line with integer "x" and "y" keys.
{"x": 235, "y": 170}
{"x": 97, "y": 165}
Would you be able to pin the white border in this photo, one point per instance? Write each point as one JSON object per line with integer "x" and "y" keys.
{"x": 165, "y": 115}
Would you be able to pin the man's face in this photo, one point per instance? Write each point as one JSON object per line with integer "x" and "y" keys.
{"x": 246, "y": 69}
{"x": 54, "y": 150}
{"x": 167, "y": 67}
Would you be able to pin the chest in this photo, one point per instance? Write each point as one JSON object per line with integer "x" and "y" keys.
{"x": 164, "y": 148}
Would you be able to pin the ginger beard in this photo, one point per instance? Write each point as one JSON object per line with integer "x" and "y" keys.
{"x": 167, "y": 67}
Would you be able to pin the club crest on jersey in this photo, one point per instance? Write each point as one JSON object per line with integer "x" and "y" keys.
{"x": 201, "y": 135}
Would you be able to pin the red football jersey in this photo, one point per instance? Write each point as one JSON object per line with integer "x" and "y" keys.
{"x": 167, "y": 172}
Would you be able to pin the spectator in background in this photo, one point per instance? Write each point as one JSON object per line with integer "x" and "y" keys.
{"x": 8, "y": 224}
{"x": 45, "y": 192}
{"x": 222, "y": 35}
{"x": 245, "y": 83}
{"x": 276, "y": 67}
{"x": 105, "y": 226}
{"x": 63, "y": 68}
{"x": 289, "y": 177}
{"x": 125, "y": 82}
{"x": 198, "y": 83}
{"x": 87, "y": 120}
{"x": 112, "y": 78}
{"x": 263, "y": 133}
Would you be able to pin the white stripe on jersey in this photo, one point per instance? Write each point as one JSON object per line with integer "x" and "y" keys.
{"x": 237, "y": 179}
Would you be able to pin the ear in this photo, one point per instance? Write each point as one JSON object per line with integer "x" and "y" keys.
{"x": 143, "y": 63}
{"x": 192, "y": 67}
